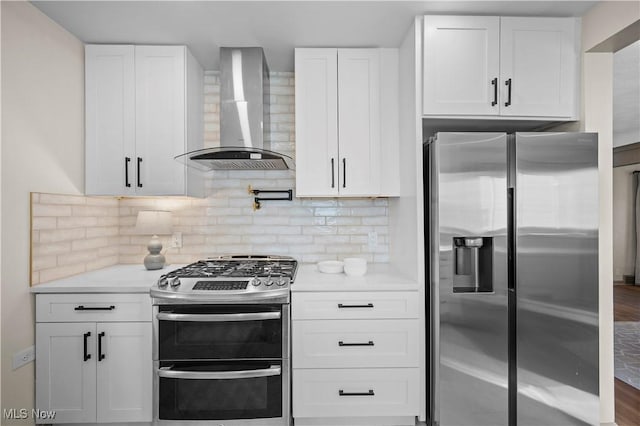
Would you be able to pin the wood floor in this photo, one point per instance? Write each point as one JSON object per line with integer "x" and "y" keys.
{"x": 626, "y": 303}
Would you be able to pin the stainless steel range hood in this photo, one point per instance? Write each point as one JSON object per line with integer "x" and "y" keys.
{"x": 244, "y": 117}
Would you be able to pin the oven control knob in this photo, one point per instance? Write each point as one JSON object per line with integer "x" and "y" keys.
{"x": 281, "y": 282}
{"x": 175, "y": 282}
{"x": 255, "y": 281}
{"x": 268, "y": 282}
{"x": 162, "y": 282}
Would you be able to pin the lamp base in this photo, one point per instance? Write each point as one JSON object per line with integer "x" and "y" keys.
{"x": 154, "y": 261}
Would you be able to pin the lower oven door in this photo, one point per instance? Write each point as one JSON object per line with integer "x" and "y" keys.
{"x": 226, "y": 392}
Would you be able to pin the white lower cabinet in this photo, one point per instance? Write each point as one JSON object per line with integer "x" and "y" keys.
{"x": 88, "y": 371}
{"x": 355, "y": 358}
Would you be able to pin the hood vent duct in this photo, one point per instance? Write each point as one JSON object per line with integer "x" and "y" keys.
{"x": 244, "y": 117}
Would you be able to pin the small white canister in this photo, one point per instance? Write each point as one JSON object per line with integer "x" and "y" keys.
{"x": 355, "y": 266}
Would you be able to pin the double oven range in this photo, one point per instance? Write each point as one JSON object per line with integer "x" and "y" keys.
{"x": 222, "y": 342}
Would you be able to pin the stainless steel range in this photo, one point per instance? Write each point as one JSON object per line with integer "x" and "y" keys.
{"x": 221, "y": 351}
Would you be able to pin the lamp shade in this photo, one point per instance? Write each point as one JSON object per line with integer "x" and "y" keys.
{"x": 153, "y": 222}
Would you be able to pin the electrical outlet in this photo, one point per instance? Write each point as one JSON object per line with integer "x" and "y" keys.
{"x": 373, "y": 240}
{"x": 23, "y": 357}
{"x": 176, "y": 240}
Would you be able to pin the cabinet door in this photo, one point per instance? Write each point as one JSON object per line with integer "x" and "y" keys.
{"x": 316, "y": 91}
{"x": 359, "y": 121}
{"x": 160, "y": 120}
{"x": 539, "y": 57}
{"x": 65, "y": 377}
{"x": 110, "y": 120}
{"x": 124, "y": 372}
{"x": 461, "y": 65}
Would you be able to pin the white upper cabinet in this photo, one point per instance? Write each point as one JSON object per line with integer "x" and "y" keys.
{"x": 461, "y": 64}
{"x": 499, "y": 66}
{"x": 346, "y": 122}
{"x": 143, "y": 107}
{"x": 539, "y": 57}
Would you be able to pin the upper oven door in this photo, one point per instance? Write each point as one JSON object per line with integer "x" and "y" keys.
{"x": 198, "y": 332}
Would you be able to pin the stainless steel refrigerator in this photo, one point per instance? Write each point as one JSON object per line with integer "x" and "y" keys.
{"x": 512, "y": 261}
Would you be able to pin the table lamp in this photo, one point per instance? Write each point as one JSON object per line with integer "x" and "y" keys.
{"x": 153, "y": 222}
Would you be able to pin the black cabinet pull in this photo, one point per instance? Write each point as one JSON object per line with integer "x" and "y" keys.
{"x": 369, "y": 343}
{"x": 494, "y": 82}
{"x": 127, "y": 160}
{"x": 344, "y": 172}
{"x": 343, "y": 393}
{"x": 508, "y": 84}
{"x": 139, "y": 182}
{"x": 94, "y": 308}
{"x": 368, "y": 305}
{"x": 87, "y": 356}
{"x": 333, "y": 175}
{"x": 101, "y": 356}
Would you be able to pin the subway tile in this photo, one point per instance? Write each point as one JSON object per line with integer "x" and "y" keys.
{"x": 54, "y": 236}
{"x": 102, "y": 262}
{"x": 44, "y": 223}
{"x": 270, "y": 220}
{"x": 102, "y": 231}
{"x": 73, "y": 258}
{"x": 319, "y": 230}
{"x": 259, "y": 239}
{"x": 61, "y": 199}
{"x": 56, "y": 273}
{"x": 295, "y": 239}
{"x": 77, "y": 222}
{"x": 51, "y": 248}
{"x": 343, "y": 249}
{"x": 90, "y": 243}
{"x": 39, "y": 210}
{"x": 39, "y": 263}
{"x": 306, "y": 221}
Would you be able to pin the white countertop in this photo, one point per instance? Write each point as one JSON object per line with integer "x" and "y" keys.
{"x": 112, "y": 279}
{"x": 379, "y": 277}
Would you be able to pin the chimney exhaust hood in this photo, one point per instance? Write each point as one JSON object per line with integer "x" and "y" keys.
{"x": 244, "y": 117}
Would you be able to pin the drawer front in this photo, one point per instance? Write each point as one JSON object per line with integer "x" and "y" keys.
{"x": 87, "y": 307}
{"x": 355, "y": 343}
{"x": 357, "y": 392}
{"x": 355, "y": 305}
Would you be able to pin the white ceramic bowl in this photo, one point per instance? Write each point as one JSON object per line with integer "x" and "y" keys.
{"x": 331, "y": 266}
{"x": 355, "y": 266}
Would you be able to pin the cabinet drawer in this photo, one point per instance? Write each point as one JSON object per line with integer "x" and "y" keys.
{"x": 93, "y": 307}
{"x": 358, "y": 392}
{"x": 355, "y": 343}
{"x": 355, "y": 305}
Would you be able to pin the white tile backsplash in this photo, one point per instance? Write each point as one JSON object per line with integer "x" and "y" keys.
{"x": 86, "y": 233}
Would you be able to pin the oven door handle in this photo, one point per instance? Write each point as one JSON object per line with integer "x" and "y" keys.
{"x": 251, "y": 316}
{"x": 168, "y": 373}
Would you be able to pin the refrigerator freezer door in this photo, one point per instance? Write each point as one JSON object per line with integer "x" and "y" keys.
{"x": 557, "y": 278}
{"x": 469, "y": 279}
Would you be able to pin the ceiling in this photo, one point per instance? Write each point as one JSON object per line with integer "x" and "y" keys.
{"x": 278, "y": 26}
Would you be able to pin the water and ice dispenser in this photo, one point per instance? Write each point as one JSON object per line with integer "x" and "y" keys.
{"x": 473, "y": 264}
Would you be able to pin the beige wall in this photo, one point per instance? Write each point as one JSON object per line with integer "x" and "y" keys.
{"x": 603, "y": 21}
{"x": 43, "y": 150}
{"x": 623, "y": 217}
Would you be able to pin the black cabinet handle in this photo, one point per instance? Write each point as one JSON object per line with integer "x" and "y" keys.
{"x": 101, "y": 356}
{"x": 508, "y": 84}
{"x": 94, "y": 308}
{"x": 333, "y": 174}
{"x": 344, "y": 172}
{"x": 343, "y": 393}
{"x": 368, "y": 305}
{"x": 369, "y": 343}
{"x": 494, "y": 82}
{"x": 127, "y": 160}
{"x": 139, "y": 182}
{"x": 87, "y": 356}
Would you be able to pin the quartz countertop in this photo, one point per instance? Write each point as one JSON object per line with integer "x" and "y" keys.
{"x": 112, "y": 279}
{"x": 379, "y": 277}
